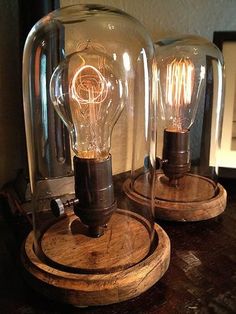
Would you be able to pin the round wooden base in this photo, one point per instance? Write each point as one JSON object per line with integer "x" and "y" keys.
{"x": 59, "y": 273}
{"x": 196, "y": 198}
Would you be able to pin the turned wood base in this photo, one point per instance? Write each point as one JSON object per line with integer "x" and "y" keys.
{"x": 60, "y": 273}
{"x": 196, "y": 198}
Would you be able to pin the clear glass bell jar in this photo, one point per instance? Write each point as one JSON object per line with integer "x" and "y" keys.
{"x": 189, "y": 87}
{"x": 88, "y": 102}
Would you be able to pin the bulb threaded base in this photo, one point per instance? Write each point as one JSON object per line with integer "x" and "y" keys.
{"x": 176, "y": 152}
{"x": 94, "y": 189}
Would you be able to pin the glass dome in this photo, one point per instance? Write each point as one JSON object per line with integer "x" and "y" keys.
{"x": 87, "y": 73}
{"x": 189, "y": 89}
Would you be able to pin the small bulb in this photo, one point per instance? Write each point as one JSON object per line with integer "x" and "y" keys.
{"x": 180, "y": 82}
{"x": 180, "y": 85}
{"x": 179, "y": 88}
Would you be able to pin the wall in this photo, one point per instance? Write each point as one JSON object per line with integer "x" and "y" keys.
{"x": 166, "y": 17}
{"x": 161, "y": 18}
{"x": 12, "y": 138}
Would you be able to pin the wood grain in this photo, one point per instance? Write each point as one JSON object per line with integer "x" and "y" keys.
{"x": 83, "y": 289}
{"x": 191, "y": 188}
{"x": 200, "y": 278}
{"x": 67, "y": 243}
{"x": 197, "y": 198}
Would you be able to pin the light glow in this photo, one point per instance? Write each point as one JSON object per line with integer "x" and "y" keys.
{"x": 88, "y": 94}
{"x": 126, "y": 61}
{"x": 179, "y": 87}
{"x": 89, "y": 86}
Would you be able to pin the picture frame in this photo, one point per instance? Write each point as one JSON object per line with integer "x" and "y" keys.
{"x": 226, "y": 42}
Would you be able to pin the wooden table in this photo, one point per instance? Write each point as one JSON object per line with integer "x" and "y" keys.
{"x": 201, "y": 277}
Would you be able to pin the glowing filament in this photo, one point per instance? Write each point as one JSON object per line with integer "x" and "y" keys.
{"x": 179, "y": 87}
{"x": 89, "y": 89}
{"x": 87, "y": 92}
{"x": 89, "y": 86}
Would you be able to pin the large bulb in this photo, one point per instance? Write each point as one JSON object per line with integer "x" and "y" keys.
{"x": 87, "y": 93}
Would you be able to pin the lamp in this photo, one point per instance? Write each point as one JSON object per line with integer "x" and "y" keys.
{"x": 92, "y": 246}
{"x": 87, "y": 92}
{"x": 189, "y": 89}
{"x": 179, "y": 91}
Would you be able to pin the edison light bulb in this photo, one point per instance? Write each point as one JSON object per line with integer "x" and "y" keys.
{"x": 179, "y": 107}
{"x": 87, "y": 94}
{"x": 180, "y": 87}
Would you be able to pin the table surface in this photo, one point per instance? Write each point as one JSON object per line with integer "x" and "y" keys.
{"x": 201, "y": 277}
